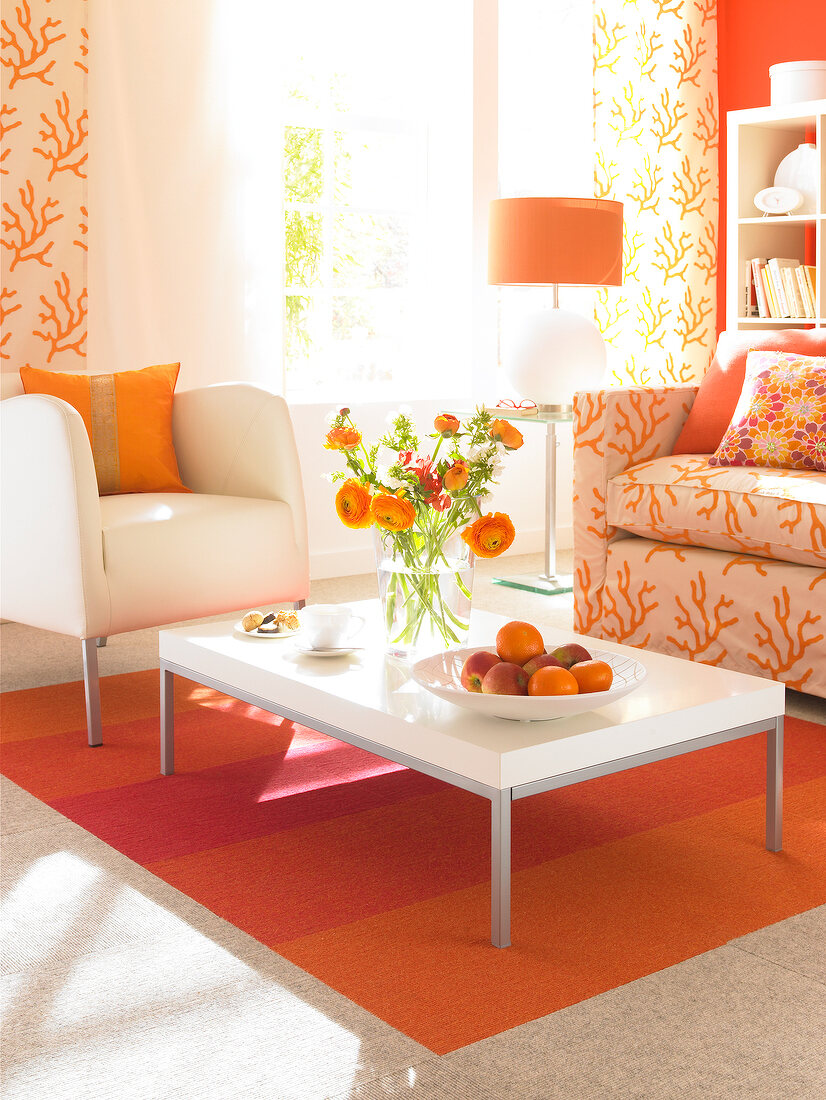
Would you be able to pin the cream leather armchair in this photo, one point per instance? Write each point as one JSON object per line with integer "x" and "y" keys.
{"x": 90, "y": 566}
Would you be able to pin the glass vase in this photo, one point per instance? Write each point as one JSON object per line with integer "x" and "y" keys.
{"x": 425, "y": 580}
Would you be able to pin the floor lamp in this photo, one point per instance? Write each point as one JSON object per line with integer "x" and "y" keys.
{"x": 545, "y": 242}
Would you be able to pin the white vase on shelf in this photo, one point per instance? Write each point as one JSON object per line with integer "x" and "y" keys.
{"x": 800, "y": 170}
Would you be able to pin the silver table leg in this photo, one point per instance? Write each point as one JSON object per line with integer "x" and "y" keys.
{"x": 774, "y": 787}
{"x": 500, "y": 868}
{"x": 167, "y": 722}
{"x": 91, "y": 687}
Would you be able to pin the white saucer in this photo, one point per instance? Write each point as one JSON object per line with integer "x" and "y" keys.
{"x": 342, "y": 651}
{"x": 239, "y": 629}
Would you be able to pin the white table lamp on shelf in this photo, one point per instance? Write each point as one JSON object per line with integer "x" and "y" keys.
{"x": 547, "y": 242}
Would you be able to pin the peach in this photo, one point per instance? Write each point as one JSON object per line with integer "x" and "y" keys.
{"x": 475, "y": 667}
{"x": 571, "y": 654}
{"x": 505, "y": 678}
{"x": 540, "y": 662}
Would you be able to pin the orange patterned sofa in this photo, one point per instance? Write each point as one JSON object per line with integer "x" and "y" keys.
{"x": 725, "y": 565}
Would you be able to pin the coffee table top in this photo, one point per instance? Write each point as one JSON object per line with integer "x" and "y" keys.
{"x": 374, "y": 696}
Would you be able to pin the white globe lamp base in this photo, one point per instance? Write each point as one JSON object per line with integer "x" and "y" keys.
{"x": 556, "y": 354}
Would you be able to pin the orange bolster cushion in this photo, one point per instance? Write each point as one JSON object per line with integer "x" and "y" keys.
{"x": 128, "y": 417}
{"x": 722, "y": 383}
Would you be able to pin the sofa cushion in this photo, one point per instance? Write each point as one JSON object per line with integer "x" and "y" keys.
{"x": 128, "y": 418}
{"x": 780, "y": 419}
{"x": 778, "y": 514}
{"x": 722, "y": 383}
{"x": 161, "y": 551}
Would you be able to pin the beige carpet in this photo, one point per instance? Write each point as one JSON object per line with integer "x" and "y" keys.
{"x": 115, "y": 985}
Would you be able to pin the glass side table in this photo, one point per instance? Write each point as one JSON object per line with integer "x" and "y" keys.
{"x": 549, "y": 582}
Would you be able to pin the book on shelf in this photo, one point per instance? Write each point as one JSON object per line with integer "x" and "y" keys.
{"x": 750, "y": 304}
{"x": 756, "y": 276}
{"x": 803, "y": 291}
{"x": 776, "y": 265}
{"x": 768, "y": 286}
{"x": 795, "y": 302}
{"x": 810, "y": 272}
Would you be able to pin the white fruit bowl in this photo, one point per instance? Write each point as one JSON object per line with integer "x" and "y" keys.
{"x": 441, "y": 675}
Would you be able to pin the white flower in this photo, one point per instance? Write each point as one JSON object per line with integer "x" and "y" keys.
{"x": 386, "y": 456}
{"x": 328, "y": 477}
{"x": 482, "y": 452}
{"x": 330, "y": 417}
{"x": 402, "y": 410}
{"x": 386, "y": 478}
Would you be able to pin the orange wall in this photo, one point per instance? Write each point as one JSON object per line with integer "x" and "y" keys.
{"x": 751, "y": 36}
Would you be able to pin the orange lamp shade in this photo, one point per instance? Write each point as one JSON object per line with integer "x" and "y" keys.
{"x": 543, "y": 241}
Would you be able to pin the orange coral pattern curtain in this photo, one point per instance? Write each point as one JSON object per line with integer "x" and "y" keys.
{"x": 43, "y": 138}
{"x": 656, "y": 137}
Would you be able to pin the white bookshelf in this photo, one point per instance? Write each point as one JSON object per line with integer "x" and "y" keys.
{"x": 758, "y": 139}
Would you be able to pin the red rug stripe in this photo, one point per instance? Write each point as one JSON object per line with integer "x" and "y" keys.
{"x": 183, "y": 814}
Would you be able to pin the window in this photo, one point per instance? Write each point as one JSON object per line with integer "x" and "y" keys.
{"x": 353, "y": 212}
{"x": 376, "y": 190}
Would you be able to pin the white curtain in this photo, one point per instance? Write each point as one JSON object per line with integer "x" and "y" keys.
{"x": 167, "y": 271}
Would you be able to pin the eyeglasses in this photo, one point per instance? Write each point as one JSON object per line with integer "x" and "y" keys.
{"x": 506, "y": 403}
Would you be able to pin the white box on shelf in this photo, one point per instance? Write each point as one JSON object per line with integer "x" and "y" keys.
{"x": 797, "y": 81}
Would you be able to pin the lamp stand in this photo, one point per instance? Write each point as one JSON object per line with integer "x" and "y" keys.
{"x": 548, "y": 583}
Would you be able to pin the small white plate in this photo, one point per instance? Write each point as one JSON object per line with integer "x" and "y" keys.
{"x": 441, "y": 674}
{"x": 239, "y": 629}
{"x": 342, "y": 651}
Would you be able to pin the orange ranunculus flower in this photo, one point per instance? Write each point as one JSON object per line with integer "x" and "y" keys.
{"x": 490, "y": 535}
{"x": 447, "y": 424}
{"x": 393, "y": 513}
{"x": 353, "y": 505}
{"x": 342, "y": 439}
{"x": 505, "y": 433}
{"x": 456, "y": 477}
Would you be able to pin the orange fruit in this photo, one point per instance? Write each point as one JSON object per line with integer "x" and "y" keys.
{"x": 517, "y": 642}
{"x": 593, "y": 675}
{"x": 552, "y": 680}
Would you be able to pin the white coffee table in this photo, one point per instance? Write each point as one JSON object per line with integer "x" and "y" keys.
{"x": 370, "y": 701}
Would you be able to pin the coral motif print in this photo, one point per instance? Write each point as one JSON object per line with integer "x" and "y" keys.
{"x": 43, "y": 137}
{"x": 656, "y": 136}
{"x": 780, "y": 419}
{"x": 722, "y": 565}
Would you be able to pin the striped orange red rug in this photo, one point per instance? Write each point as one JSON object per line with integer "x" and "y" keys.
{"x": 376, "y": 879}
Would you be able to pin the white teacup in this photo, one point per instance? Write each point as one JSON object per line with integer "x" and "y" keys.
{"x": 330, "y": 625}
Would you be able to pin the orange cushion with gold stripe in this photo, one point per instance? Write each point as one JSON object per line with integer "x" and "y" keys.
{"x": 128, "y": 416}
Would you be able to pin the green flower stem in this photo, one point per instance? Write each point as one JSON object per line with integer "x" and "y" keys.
{"x": 413, "y": 595}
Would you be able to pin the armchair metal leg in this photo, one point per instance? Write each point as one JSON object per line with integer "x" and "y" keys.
{"x": 91, "y": 684}
{"x": 101, "y": 642}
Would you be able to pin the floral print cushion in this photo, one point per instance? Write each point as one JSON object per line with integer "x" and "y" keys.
{"x": 780, "y": 419}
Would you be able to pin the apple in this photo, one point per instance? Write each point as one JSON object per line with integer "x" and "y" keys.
{"x": 475, "y": 667}
{"x": 571, "y": 654}
{"x": 505, "y": 678}
{"x": 540, "y": 662}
